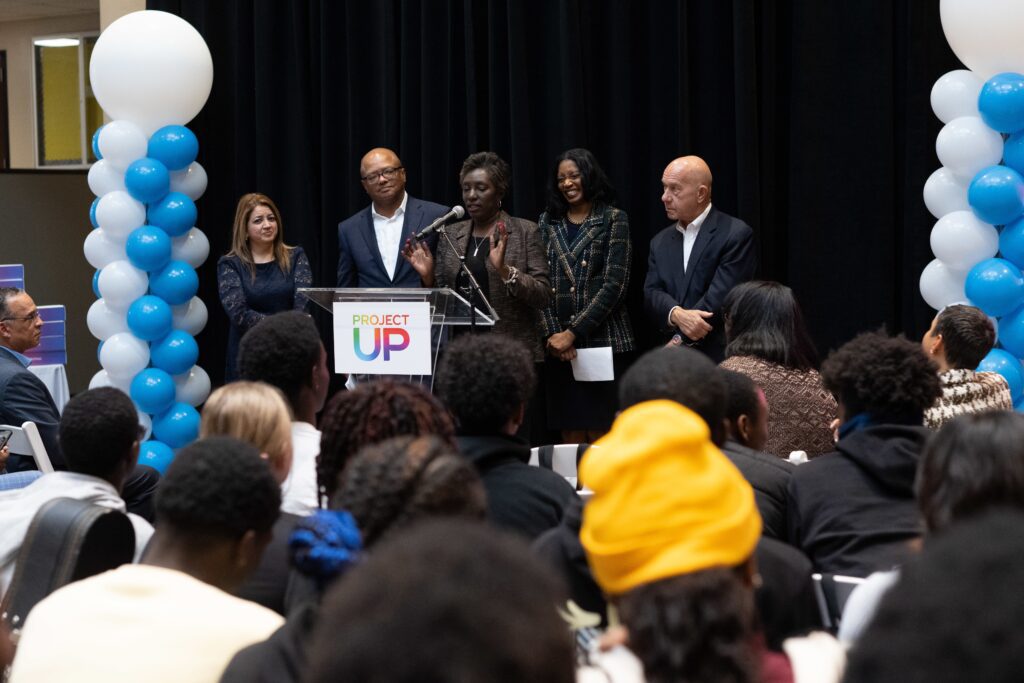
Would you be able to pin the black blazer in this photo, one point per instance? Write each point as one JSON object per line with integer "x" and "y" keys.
{"x": 722, "y": 257}
{"x": 359, "y": 260}
{"x": 24, "y": 398}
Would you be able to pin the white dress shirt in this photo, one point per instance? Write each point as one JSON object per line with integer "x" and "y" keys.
{"x": 299, "y": 492}
{"x": 690, "y": 233}
{"x": 389, "y": 234}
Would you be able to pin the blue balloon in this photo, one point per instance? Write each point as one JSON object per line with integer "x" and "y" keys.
{"x": 147, "y": 180}
{"x": 1018, "y": 405}
{"x": 1011, "y": 332}
{"x": 174, "y": 354}
{"x": 156, "y": 454}
{"x": 996, "y": 286}
{"x": 92, "y": 213}
{"x": 175, "y": 146}
{"x": 1001, "y": 102}
{"x": 177, "y": 426}
{"x": 176, "y": 283}
{"x": 96, "y": 284}
{"x": 1007, "y": 365}
{"x": 997, "y": 195}
{"x": 148, "y": 248}
{"x": 175, "y": 214}
{"x": 153, "y": 390}
{"x": 1013, "y": 152}
{"x": 149, "y": 319}
{"x": 96, "y": 143}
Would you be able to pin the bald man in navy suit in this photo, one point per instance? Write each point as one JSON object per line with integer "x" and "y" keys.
{"x": 695, "y": 261}
{"x": 371, "y": 241}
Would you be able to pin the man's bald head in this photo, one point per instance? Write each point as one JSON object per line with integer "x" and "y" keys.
{"x": 686, "y": 188}
{"x": 386, "y": 193}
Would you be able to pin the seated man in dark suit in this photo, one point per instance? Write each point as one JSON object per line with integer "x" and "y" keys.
{"x": 370, "y": 241}
{"x": 746, "y": 415}
{"x": 694, "y": 262}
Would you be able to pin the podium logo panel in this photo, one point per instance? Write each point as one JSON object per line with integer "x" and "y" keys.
{"x": 382, "y": 338}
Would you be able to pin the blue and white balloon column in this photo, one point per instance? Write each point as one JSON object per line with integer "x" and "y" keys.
{"x": 152, "y": 73}
{"x": 978, "y": 194}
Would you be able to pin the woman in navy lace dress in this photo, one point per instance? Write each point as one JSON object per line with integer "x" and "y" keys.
{"x": 260, "y": 274}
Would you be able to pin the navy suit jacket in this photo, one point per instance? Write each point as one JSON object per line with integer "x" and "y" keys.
{"x": 359, "y": 260}
{"x": 24, "y": 398}
{"x": 722, "y": 257}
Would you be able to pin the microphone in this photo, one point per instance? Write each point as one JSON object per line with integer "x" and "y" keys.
{"x": 456, "y": 212}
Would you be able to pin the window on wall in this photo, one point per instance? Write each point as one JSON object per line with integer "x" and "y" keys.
{"x": 67, "y": 114}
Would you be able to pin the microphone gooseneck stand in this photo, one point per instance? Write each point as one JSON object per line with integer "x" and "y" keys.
{"x": 473, "y": 284}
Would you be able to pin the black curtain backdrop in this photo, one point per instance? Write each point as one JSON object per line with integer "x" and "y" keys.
{"x": 814, "y": 117}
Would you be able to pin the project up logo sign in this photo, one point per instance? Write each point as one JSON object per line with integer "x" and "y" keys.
{"x": 382, "y": 338}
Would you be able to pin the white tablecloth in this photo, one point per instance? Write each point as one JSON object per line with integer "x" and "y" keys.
{"x": 55, "y": 377}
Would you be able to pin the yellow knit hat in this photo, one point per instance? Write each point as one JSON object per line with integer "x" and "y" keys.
{"x": 666, "y": 501}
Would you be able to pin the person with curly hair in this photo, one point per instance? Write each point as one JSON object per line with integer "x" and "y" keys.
{"x": 369, "y": 414}
{"x": 852, "y": 511}
{"x": 486, "y": 382}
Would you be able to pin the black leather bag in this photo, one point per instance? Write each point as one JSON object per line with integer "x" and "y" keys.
{"x": 68, "y": 540}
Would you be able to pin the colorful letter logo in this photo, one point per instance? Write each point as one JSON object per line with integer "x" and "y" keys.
{"x": 389, "y": 345}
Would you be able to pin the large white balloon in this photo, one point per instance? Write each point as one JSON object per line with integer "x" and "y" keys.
{"x": 121, "y": 283}
{"x": 960, "y": 240}
{"x": 945, "y": 192}
{"x": 104, "y": 322}
{"x": 966, "y": 145}
{"x": 104, "y": 178}
{"x": 100, "y": 250}
{"x": 151, "y": 68}
{"x": 145, "y": 421}
{"x": 956, "y": 94}
{"x": 119, "y": 213}
{"x": 942, "y": 285}
{"x": 190, "y": 317}
{"x": 103, "y": 379}
{"x": 190, "y": 181}
{"x": 193, "y": 247}
{"x": 121, "y": 143}
{"x": 985, "y": 34}
{"x": 192, "y": 387}
{"x": 124, "y": 355}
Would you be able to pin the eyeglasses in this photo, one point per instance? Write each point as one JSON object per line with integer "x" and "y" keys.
{"x": 572, "y": 176}
{"x": 31, "y": 316}
{"x": 388, "y": 173}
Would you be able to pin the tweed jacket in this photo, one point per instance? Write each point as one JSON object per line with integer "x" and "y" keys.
{"x": 518, "y": 305}
{"x": 965, "y": 392}
{"x": 589, "y": 279}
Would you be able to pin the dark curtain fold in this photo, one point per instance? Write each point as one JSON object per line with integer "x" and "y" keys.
{"x": 814, "y": 118}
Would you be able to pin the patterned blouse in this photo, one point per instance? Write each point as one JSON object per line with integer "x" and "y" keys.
{"x": 800, "y": 410}
{"x": 965, "y": 392}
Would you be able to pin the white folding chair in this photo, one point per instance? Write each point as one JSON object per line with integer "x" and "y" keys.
{"x": 563, "y": 460}
{"x": 25, "y": 440}
{"x": 832, "y": 591}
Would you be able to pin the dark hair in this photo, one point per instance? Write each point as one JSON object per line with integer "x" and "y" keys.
{"x": 444, "y": 601}
{"x": 975, "y": 462}
{"x": 679, "y": 374}
{"x": 741, "y": 395}
{"x": 967, "y": 335}
{"x": 497, "y": 170}
{"x": 484, "y": 380}
{"x": 596, "y": 186}
{"x": 887, "y": 377}
{"x": 390, "y": 485}
{"x": 97, "y": 431}
{"x": 763, "y": 319}
{"x": 693, "y": 627}
{"x": 955, "y": 613}
{"x": 371, "y": 413}
{"x": 281, "y": 350}
{"x": 5, "y": 294}
{"x": 218, "y": 487}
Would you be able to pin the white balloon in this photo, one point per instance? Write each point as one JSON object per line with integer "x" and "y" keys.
{"x": 190, "y": 317}
{"x": 104, "y": 178}
{"x": 100, "y": 250}
{"x": 192, "y": 248}
{"x": 124, "y": 355}
{"x": 145, "y": 421}
{"x": 985, "y": 34}
{"x": 190, "y": 181}
{"x": 945, "y": 192}
{"x": 956, "y": 94}
{"x": 966, "y": 145}
{"x": 151, "y": 68}
{"x": 121, "y": 143}
{"x": 104, "y": 322}
{"x": 103, "y": 379}
{"x": 960, "y": 240}
{"x": 942, "y": 285}
{"x": 119, "y": 213}
{"x": 192, "y": 387}
{"x": 121, "y": 283}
